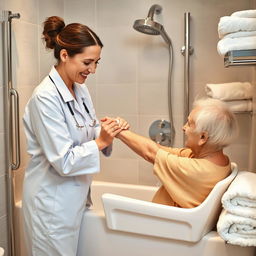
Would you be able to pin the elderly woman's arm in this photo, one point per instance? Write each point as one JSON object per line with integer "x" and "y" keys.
{"x": 143, "y": 146}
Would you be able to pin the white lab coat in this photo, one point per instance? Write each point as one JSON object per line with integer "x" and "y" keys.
{"x": 59, "y": 174}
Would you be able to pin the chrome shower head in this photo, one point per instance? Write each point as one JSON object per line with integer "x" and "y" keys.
{"x": 149, "y": 26}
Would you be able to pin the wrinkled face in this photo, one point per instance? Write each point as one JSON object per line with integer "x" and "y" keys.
{"x": 82, "y": 64}
{"x": 192, "y": 137}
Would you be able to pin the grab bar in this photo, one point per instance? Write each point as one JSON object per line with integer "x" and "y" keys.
{"x": 12, "y": 112}
{"x": 11, "y": 122}
{"x": 16, "y": 128}
{"x": 186, "y": 51}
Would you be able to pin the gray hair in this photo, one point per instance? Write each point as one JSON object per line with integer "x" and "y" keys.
{"x": 215, "y": 118}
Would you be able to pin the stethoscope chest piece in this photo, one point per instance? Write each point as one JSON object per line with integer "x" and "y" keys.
{"x": 93, "y": 123}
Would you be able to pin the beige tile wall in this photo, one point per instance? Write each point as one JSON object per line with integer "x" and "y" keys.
{"x": 131, "y": 80}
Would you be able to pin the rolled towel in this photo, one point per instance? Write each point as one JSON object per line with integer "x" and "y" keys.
{"x": 240, "y": 197}
{"x": 240, "y": 105}
{"x": 230, "y": 91}
{"x": 245, "y": 14}
{"x": 230, "y": 44}
{"x": 240, "y": 34}
{"x": 231, "y": 24}
{"x": 237, "y": 230}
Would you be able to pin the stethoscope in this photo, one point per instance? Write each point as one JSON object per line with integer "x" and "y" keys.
{"x": 92, "y": 124}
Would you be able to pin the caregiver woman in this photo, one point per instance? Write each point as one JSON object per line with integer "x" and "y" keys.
{"x": 64, "y": 139}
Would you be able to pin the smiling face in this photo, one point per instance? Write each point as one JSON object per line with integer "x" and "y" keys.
{"x": 78, "y": 67}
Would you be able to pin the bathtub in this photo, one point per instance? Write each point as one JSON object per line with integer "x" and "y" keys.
{"x": 97, "y": 240}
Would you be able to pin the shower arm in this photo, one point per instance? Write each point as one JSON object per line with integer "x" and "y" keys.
{"x": 154, "y": 9}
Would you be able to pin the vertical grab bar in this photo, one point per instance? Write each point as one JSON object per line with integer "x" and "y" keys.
{"x": 9, "y": 110}
{"x": 186, "y": 51}
{"x": 16, "y": 128}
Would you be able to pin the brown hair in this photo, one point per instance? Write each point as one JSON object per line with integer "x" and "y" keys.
{"x": 73, "y": 37}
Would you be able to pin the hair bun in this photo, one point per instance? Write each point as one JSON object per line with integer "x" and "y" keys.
{"x": 52, "y": 27}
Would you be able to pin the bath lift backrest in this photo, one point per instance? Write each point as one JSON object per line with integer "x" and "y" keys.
{"x": 147, "y": 218}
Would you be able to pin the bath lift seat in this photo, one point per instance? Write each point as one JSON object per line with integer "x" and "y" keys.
{"x": 147, "y": 218}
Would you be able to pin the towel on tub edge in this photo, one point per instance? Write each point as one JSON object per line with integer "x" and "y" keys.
{"x": 237, "y": 230}
{"x": 240, "y": 197}
{"x": 230, "y": 91}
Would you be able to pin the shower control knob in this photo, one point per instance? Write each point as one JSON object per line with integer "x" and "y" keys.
{"x": 160, "y": 132}
{"x": 160, "y": 137}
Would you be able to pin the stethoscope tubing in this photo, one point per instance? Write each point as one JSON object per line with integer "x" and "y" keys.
{"x": 73, "y": 114}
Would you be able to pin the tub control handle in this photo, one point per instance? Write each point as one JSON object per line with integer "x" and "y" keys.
{"x": 160, "y": 137}
{"x": 160, "y": 132}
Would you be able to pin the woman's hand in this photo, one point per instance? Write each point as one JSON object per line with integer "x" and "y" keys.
{"x": 109, "y": 129}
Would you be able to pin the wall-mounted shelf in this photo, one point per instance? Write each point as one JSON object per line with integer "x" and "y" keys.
{"x": 240, "y": 58}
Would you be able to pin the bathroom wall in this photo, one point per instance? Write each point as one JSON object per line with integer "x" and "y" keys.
{"x": 131, "y": 80}
{"x": 27, "y": 58}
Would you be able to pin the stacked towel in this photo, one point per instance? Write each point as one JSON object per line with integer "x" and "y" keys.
{"x": 240, "y": 105}
{"x": 237, "y": 95}
{"x": 245, "y": 14}
{"x": 237, "y": 221}
{"x": 237, "y": 32}
{"x": 231, "y": 44}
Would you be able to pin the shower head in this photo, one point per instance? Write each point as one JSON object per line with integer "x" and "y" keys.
{"x": 149, "y": 26}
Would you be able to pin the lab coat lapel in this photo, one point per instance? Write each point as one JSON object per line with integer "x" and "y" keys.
{"x": 61, "y": 86}
{"x": 64, "y": 91}
{"x": 81, "y": 98}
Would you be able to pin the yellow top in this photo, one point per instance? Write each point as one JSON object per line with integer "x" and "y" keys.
{"x": 187, "y": 181}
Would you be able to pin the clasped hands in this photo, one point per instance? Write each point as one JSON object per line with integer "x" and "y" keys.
{"x": 110, "y": 128}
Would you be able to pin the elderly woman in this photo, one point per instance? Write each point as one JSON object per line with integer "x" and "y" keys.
{"x": 189, "y": 174}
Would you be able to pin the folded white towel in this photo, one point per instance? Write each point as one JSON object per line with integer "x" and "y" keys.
{"x": 230, "y": 91}
{"x": 240, "y": 197}
{"x": 231, "y": 44}
{"x": 240, "y": 105}
{"x": 236, "y": 229}
{"x": 228, "y": 24}
{"x": 240, "y": 34}
{"x": 245, "y": 14}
